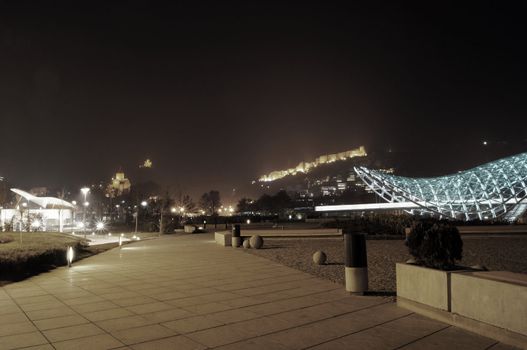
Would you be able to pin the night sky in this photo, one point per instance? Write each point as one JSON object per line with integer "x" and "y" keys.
{"x": 217, "y": 93}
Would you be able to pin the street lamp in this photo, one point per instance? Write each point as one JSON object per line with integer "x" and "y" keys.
{"x": 86, "y": 205}
{"x": 85, "y": 191}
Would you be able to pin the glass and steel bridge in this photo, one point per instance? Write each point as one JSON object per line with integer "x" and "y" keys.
{"x": 496, "y": 190}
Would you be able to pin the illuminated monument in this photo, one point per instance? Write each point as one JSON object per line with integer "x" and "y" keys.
{"x": 305, "y": 167}
{"x": 496, "y": 190}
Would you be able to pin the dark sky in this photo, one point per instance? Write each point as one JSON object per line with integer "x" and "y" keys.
{"x": 218, "y": 92}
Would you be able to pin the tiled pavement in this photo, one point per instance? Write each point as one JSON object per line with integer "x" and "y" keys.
{"x": 188, "y": 293}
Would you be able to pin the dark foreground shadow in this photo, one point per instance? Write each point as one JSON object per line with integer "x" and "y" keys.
{"x": 380, "y": 293}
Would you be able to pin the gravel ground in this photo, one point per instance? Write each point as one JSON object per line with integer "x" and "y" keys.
{"x": 495, "y": 253}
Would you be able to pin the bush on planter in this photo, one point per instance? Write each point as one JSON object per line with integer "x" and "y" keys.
{"x": 435, "y": 244}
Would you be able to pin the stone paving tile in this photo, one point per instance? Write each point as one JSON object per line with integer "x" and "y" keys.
{"x": 117, "y": 324}
{"x": 13, "y": 318}
{"x": 9, "y": 309}
{"x": 59, "y": 322}
{"x": 206, "y": 308}
{"x": 17, "y": 328}
{"x": 42, "y": 306}
{"x": 143, "y": 334}
{"x": 260, "y": 343}
{"x": 177, "y": 342}
{"x": 501, "y": 346}
{"x": 336, "y": 327}
{"x": 110, "y": 314}
{"x": 390, "y": 335}
{"x": 72, "y": 332}
{"x": 235, "y": 332}
{"x": 92, "y": 307}
{"x": 167, "y": 315}
{"x": 22, "y": 340}
{"x": 232, "y": 316}
{"x": 40, "y": 347}
{"x": 137, "y": 300}
{"x": 41, "y": 299}
{"x": 50, "y": 313}
{"x": 193, "y": 324}
{"x": 84, "y": 300}
{"x": 100, "y": 342}
{"x": 452, "y": 338}
{"x": 149, "y": 308}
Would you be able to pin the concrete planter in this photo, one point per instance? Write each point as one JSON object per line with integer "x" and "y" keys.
{"x": 498, "y": 298}
{"x": 424, "y": 285}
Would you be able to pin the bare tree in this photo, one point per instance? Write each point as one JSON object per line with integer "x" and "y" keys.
{"x": 210, "y": 201}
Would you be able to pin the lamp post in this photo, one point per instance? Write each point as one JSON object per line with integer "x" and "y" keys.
{"x": 73, "y": 218}
{"x": 85, "y": 191}
{"x": 86, "y": 205}
{"x": 25, "y": 205}
{"x": 143, "y": 204}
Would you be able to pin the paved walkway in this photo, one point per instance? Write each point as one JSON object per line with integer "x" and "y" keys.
{"x": 188, "y": 293}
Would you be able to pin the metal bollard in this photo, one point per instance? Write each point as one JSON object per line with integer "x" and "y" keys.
{"x": 236, "y": 236}
{"x": 356, "y": 270}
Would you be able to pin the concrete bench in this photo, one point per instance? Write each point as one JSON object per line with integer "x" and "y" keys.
{"x": 223, "y": 238}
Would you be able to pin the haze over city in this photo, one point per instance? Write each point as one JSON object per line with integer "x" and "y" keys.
{"x": 219, "y": 93}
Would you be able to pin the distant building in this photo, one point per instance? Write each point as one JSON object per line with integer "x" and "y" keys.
{"x": 120, "y": 185}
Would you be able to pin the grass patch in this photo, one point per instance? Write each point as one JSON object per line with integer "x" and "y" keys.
{"x": 28, "y": 253}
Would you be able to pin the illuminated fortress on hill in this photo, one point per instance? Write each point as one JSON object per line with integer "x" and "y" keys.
{"x": 305, "y": 167}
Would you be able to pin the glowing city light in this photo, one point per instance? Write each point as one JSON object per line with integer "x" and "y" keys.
{"x": 100, "y": 226}
{"x": 144, "y": 203}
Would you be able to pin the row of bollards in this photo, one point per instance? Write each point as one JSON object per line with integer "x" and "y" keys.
{"x": 356, "y": 260}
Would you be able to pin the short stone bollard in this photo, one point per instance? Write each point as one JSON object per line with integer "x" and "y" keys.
{"x": 256, "y": 242}
{"x": 236, "y": 236}
{"x": 246, "y": 243}
{"x": 356, "y": 270}
{"x": 319, "y": 257}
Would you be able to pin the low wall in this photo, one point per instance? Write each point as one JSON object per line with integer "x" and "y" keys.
{"x": 423, "y": 285}
{"x": 498, "y": 298}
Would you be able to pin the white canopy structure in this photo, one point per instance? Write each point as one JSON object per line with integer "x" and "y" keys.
{"x": 55, "y": 212}
{"x": 44, "y": 202}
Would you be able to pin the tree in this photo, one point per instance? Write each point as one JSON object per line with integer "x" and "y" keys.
{"x": 210, "y": 201}
{"x": 281, "y": 201}
{"x": 244, "y": 205}
{"x": 164, "y": 206}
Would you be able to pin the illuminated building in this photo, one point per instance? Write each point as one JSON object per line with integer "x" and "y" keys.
{"x": 305, "y": 167}
{"x": 496, "y": 190}
{"x": 146, "y": 164}
{"x": 54, "y": 212}
{"x": 120, "y": 185}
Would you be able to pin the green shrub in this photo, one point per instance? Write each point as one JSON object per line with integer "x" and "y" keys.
{"x": 435, "y": 244}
